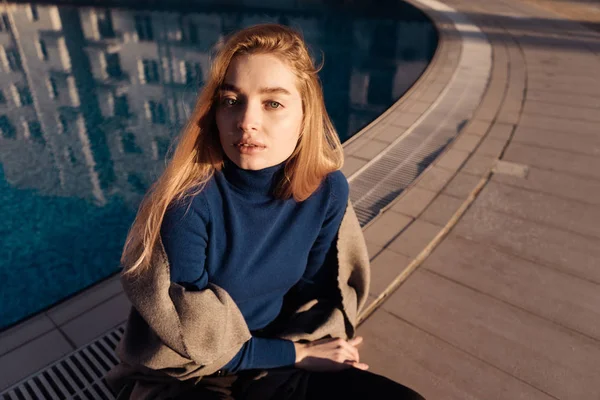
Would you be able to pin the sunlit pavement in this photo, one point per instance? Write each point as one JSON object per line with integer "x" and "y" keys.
{"x": 507, "y": 305}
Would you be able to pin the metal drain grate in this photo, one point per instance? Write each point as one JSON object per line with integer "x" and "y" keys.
{"x": 387, "y": 178}
{"x": 78, "y": 376}
{"x": 389, "y": 174}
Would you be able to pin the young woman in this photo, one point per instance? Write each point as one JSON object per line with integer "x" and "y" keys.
{"x": 246, "y": 266}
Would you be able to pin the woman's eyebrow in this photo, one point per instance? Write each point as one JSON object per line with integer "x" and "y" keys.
{"x": 274, "y": 90}
{"x": 264, "y": 90}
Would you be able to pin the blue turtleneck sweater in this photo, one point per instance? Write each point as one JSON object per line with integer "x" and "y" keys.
{"x": 237, "y": 235}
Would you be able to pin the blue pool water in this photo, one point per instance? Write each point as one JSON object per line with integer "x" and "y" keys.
{"x": 91, "y": 99}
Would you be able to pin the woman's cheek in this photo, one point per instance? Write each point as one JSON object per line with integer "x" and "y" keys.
{"x": 289, "y": 122}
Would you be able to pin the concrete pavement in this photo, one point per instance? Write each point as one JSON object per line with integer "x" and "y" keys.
{"x": 507, "y": 306}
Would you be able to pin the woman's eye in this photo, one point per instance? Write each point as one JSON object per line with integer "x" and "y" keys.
{"x": 228, "y": 101}
{"x": 274, "y": 104}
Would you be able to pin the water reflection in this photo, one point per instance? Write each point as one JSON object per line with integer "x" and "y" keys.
{"x": 91, "y": 99}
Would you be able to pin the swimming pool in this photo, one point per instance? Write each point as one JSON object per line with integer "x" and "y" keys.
{"x": 91, "y": 99}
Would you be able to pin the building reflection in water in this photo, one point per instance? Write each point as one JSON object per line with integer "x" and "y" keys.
{"x": 91, "y": 99}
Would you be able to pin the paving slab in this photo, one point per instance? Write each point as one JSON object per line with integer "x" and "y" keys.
{"x": 567, "y": 76}
{"x": 25, "y": 360}
{"x": 552, "y": 110}
{"x": 567, "y": 251}
{"x": 492, "y": 147}
{"x": 477, "y": 127}
{"x": 432, "y": 92}
{"x": 461, "y": 185}
{"x": 352, "y": 146}
{"x": 564, "y": 78}
{"x": 432, "y": 366}
{"x": 547, "y": 72}
{"x": 370, "y": 149}
{"x": 510, "y": 111}
{"x": 556, "y": 183}
{"x": 561, "y": 124}
{"x": 466, "y": 142}
{"x": 552, "y": 63}
{"x": 83, "y": 302}
{"x": 534, "y": 67}
{"x": 413, "y": 201}
{"x": 352, "y": 164}
{"x": 554, "y": 86}
{"x": 405, "y": 120}
{"x": 385, "y": 268}
{"x": 386, "y": 228}
{"x": 553, "y": 160}
{"x": 452, "y": 159}
{"x": 488, "y": 109}
{"x": 501, "y": 131}
{"x": 569, "y": 141}
{"x": 84, "y": 328}
{"x": 568, "y": 99}
{"x": 373, "y": 250}
{"x": 478, "y": 164}
{"x": 492, "y": 100}
{"x": 583, "y": 12}
{"x": 577, "y": 60}
{"x": 420, "y": 107}
{"x": 441, "y": 210}
{"x": 434, "y": 179}
{"x": 391, "y": 132}
{"x": 545, "y": 355}
{"x": 414, "y": 239}
{"x": 26, "y": 331}
{"x": 546, "y": 292}
{"x": 550, "y": 210}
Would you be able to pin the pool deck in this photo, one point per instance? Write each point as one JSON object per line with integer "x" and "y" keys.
{"x": 507, "y": 306}
{"x": 495, "y": 266}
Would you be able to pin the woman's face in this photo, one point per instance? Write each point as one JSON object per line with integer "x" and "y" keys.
{"x": 259, "y": 112}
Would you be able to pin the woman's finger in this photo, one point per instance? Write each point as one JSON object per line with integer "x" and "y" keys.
{"x": 356, "y": 341}
{"x": 342, "y": 351}
{"x": 358, "y": 365}
{"x": 352, "y": 351}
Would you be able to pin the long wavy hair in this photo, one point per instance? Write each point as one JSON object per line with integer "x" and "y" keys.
{"x": 199, "y": 153}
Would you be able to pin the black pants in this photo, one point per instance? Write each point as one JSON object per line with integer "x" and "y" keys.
{"x": 356, "y": 384}
{"x": 348, "y": 384}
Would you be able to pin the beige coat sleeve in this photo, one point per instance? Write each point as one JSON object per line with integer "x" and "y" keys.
{"x": 337, "y": 316}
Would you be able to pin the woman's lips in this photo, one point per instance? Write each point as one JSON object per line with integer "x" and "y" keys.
{"x": 249, "y": 148}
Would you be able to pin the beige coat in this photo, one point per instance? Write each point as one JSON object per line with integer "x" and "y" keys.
{"x": 175, "y": 337}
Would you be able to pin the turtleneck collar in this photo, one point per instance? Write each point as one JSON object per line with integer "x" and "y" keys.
{"x": 256, "y": 182}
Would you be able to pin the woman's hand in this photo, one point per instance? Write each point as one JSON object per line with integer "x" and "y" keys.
{"x": 329, "y": 355}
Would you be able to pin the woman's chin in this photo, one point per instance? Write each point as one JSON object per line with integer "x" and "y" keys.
{"x": 249, "y": 161}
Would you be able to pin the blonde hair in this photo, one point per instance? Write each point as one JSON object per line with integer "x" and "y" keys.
{"x": 199, "y": 152}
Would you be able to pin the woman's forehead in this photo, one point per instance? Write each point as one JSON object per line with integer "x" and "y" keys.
{"x": 260, "y": 74}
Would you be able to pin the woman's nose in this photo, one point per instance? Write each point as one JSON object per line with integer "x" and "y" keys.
{"x": 250, "y": 117}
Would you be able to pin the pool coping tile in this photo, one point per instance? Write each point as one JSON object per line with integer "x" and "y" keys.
{"x": 100, "y": 319}
{"x": 24, "y": 332}
{"x": 86, "y": 300}
{"x": 32, "y": 356}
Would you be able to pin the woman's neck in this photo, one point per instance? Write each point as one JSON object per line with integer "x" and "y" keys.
{"x": 256, "y": 182}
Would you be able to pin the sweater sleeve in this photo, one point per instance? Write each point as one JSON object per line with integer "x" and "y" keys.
{"x": 185, "y": 236}
{"x": 315, "y": 276}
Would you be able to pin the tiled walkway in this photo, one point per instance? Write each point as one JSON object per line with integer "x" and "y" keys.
{"x": 508, "y": 305}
